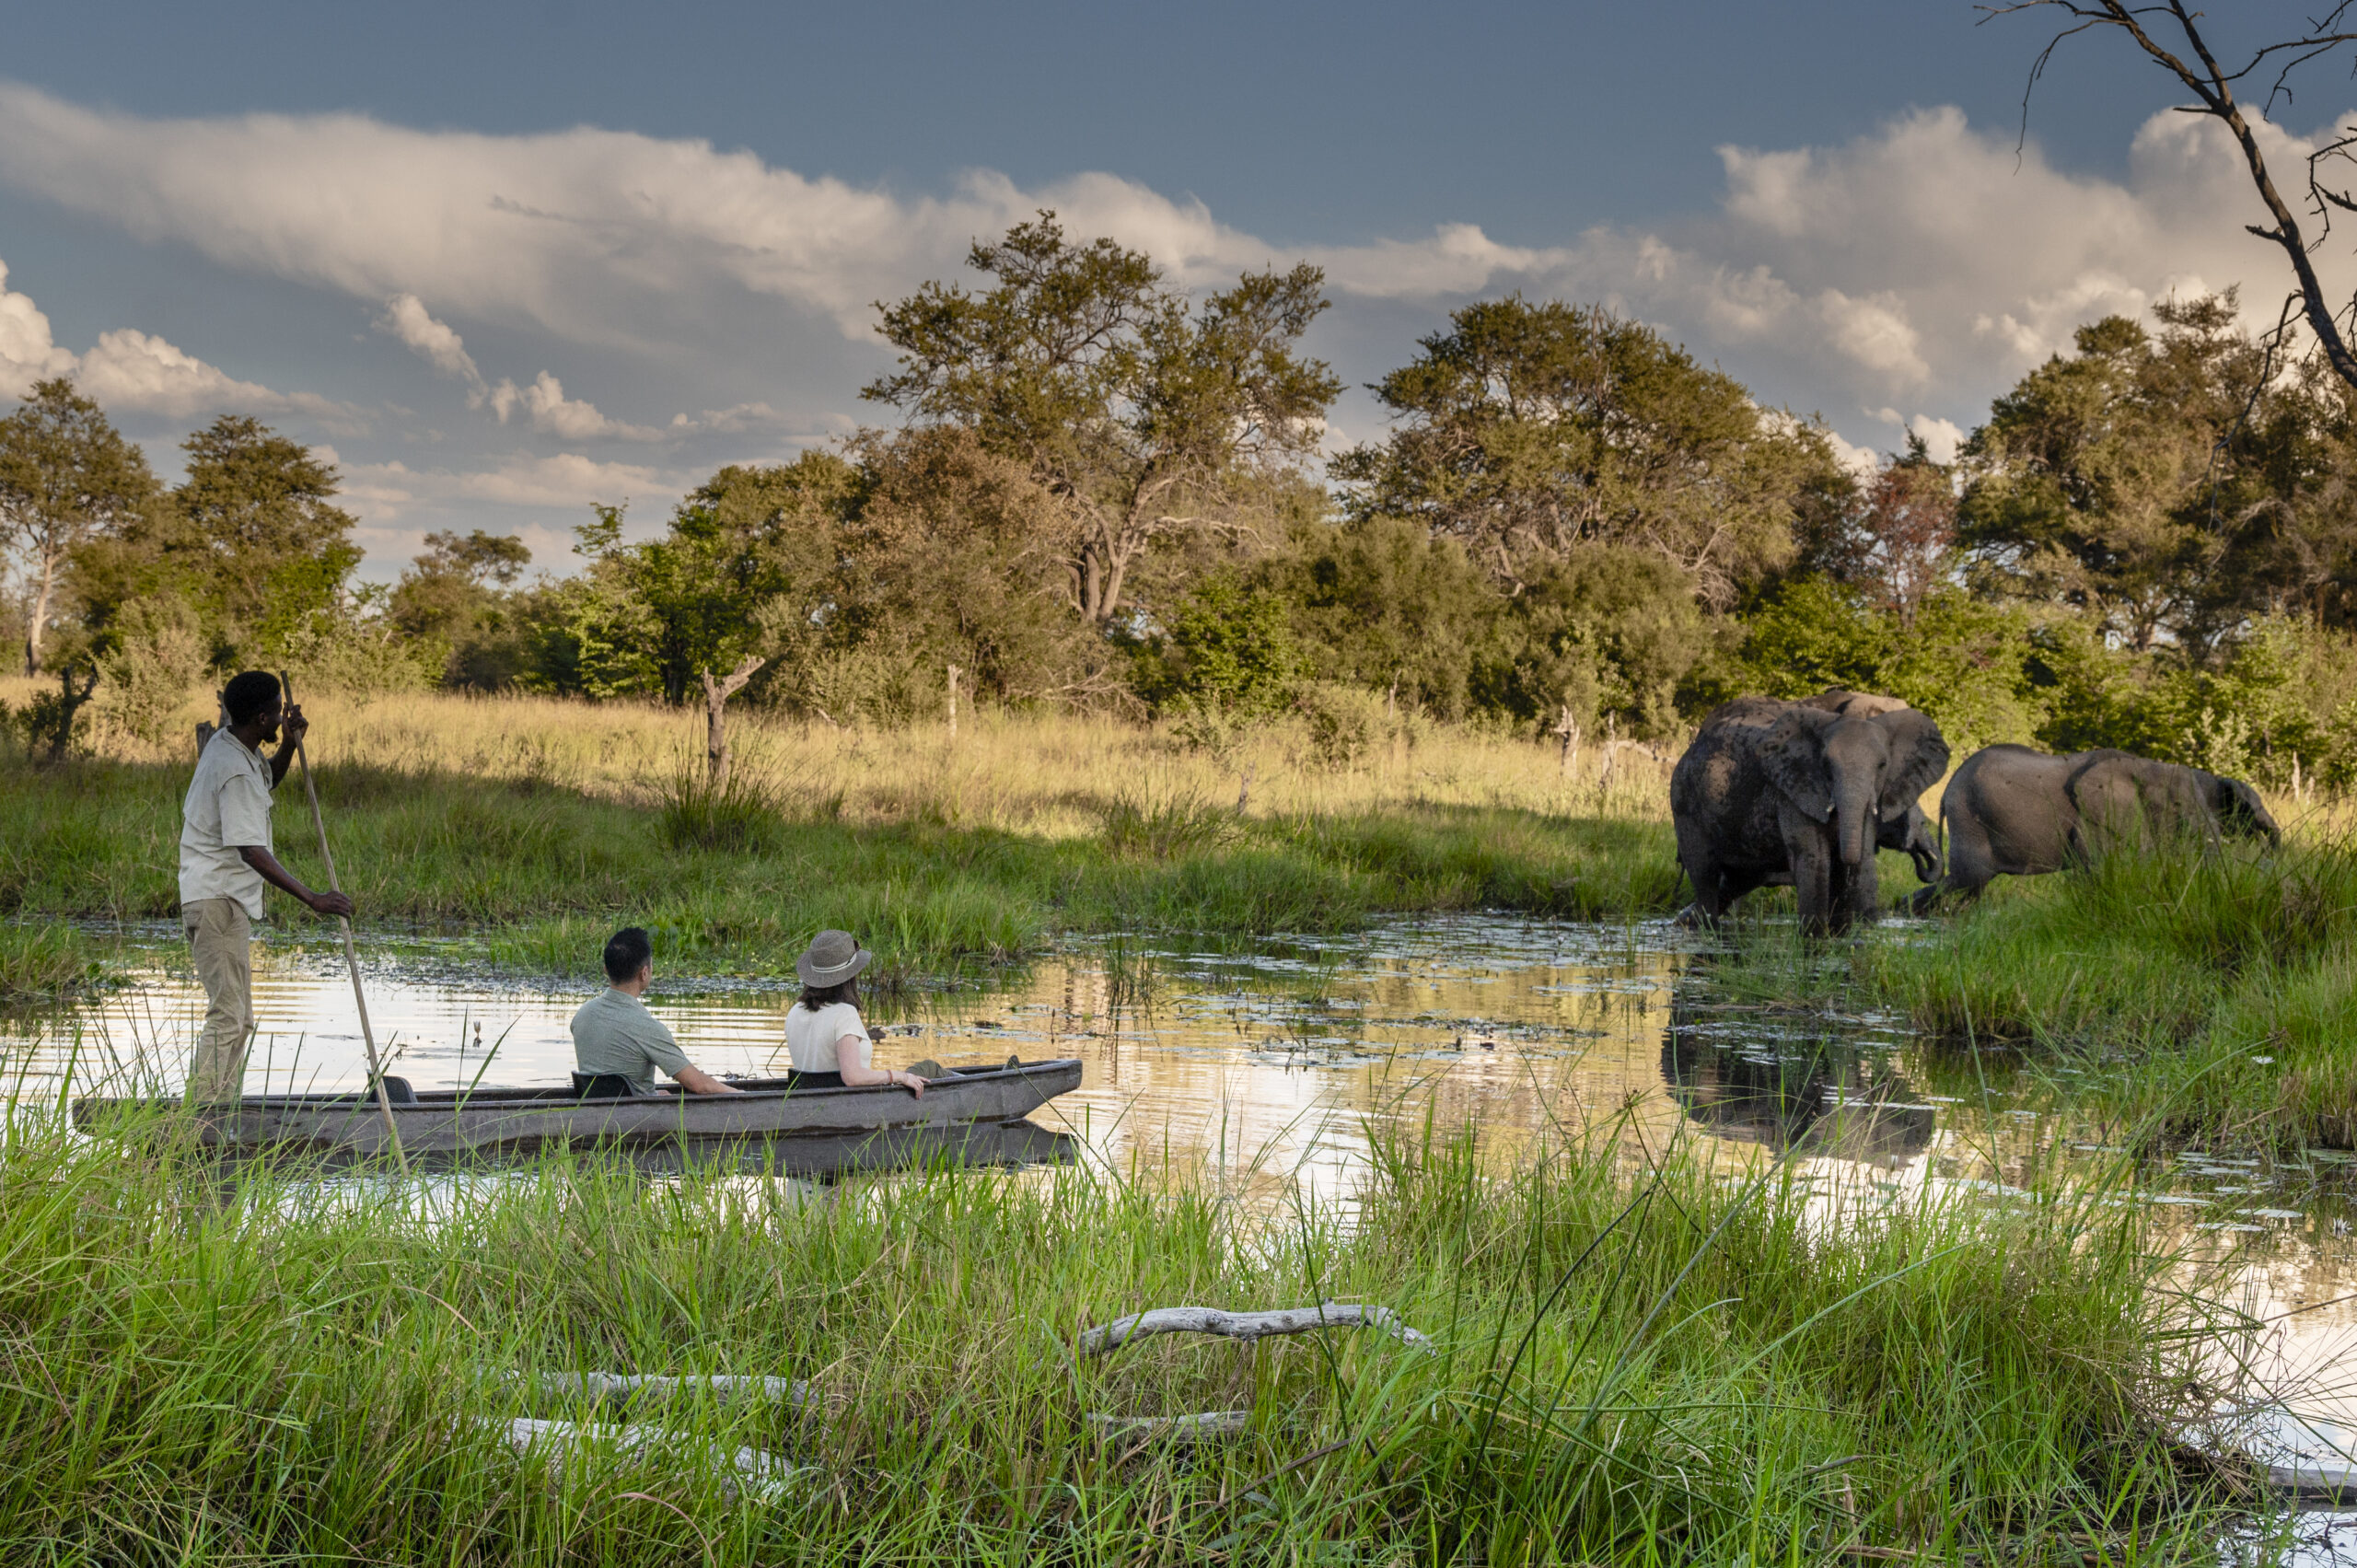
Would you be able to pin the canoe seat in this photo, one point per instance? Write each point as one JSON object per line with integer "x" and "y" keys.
{"x": 397, "y": 1092}
{"x": 602, "y": 1085}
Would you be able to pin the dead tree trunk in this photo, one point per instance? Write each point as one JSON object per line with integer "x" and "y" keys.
{"x": 954, "y": 673}
{"x": 1569, "y": 728}
{"x": 716, "y": 700}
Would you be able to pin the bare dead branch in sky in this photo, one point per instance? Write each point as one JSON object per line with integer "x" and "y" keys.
{"x": 2212, "y": 85}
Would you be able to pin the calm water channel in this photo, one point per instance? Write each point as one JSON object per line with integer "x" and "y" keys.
{"x": 1267, "y": 1066}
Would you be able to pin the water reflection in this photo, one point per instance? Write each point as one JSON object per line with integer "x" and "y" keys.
{"x": 1793, "y": 1085}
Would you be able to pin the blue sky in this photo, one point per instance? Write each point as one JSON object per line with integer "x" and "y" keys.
{"x": 507, "y": 260}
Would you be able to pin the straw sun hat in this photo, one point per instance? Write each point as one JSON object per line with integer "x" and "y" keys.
{"x": 832, "y": 957}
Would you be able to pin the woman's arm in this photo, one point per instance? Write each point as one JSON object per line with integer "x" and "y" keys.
{"x": 850, "y": 1059}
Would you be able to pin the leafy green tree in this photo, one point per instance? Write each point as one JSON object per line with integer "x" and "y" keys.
{"x": 2293, "y": 550}
{"x": 1531, "y": 431}
{"x": 1967, "y": 662}
{"x": 66, "y": 476}
{"x": 2112, "y": 481}
{"x": 1381, "y": 603}
{"x": 749, "y": 555}
{"x": 941, "y": 565}
{"x": 590, "y": 635}
{"x": 1610, "y": 632}
{"x": 456, "y": 595}
{"x": 1229, "y": 650}
{"x": 1139, "y": 411}
{"x": 254, "y": 531}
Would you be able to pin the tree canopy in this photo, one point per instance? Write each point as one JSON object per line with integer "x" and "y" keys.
{"x": 1135, "y": 408}
{"x": 1529, "y": 431}
{"x": 66, "y": 475}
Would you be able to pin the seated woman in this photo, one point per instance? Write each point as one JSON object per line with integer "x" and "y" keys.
{"x": 824, "y": 1032}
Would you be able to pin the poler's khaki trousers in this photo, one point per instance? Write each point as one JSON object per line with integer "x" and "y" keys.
{"x": 221, "y": 940}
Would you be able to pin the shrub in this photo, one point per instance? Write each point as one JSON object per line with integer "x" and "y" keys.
{"x": 1344, "y": 723}
{"x": 1229, "y": 651}
{"x": 358, "y": 656}
{"x": 159, "y": 653}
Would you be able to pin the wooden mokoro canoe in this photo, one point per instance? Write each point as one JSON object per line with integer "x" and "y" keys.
{"x": 795, "y": 1127}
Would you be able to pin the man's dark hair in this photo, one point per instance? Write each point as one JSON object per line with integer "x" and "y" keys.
{"x": 627, "y": 952}
{"x": 249, "y": 693}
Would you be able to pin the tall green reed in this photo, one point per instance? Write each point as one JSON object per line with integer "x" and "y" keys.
{"x": 1633, "y": 1361}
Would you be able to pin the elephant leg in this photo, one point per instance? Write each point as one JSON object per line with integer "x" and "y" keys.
{"x": 1733, "y": 885}
{"x": 1715, "y": 890}
{"x": 1704, "y": 875}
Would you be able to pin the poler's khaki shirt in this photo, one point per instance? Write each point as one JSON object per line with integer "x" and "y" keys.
{"x": 227, "y": 809}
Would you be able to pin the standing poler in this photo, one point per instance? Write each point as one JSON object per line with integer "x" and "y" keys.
{"x": 225, "y": 859}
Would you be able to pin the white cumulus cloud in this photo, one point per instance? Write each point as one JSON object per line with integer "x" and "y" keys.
{"x": 1923, "y": 264}
{"x": 545, "y": 408}
{"x": 130, "y": 370}
{"x": 27, "y": 352}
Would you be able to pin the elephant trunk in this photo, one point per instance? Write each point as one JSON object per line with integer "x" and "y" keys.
{"x": 1853, "y": 814}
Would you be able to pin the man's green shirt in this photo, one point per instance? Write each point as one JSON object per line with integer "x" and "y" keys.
{"x": 615, "y": 1033}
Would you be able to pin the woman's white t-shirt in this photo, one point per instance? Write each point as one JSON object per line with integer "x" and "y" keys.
{"x": 811, "y": 1037}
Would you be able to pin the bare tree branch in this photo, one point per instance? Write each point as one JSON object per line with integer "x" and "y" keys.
{"x": 2212, "y": 85}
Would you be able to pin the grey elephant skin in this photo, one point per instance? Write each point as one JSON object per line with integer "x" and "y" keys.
{"x": 2011, "y": 811}
{"x": 1771, "y": 790}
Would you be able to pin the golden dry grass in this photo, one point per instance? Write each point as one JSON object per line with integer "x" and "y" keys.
{"x": 1038, "y": 773}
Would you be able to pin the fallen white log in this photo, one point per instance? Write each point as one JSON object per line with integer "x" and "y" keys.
{"x": 743, "y": 1472}
{"x": 1173, "y": 1428}
{"x": 2312, "y": 1455}
{"x": 634, "y": 1389}
{"x": 1247, "y": 1326}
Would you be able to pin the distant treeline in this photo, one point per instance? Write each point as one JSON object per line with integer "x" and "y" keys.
{"x": 1103, "y": 491}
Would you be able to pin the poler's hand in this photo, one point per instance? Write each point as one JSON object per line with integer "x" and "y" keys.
{"x": 331, "y": 903}
{"x": 293, "y": 725}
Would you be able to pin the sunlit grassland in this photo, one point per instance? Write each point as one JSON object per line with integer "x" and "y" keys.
{"x": 1632, "y": 1363}
{"x": 540, "y": 825}
{"x": 1043, "y": 772}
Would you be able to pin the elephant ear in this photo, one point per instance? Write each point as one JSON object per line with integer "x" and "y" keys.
{"x": 1794, "y": 757}
{"x": 1919, "y": 755}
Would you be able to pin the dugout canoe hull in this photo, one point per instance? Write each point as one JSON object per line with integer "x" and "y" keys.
{"x": 794, "y": 1128}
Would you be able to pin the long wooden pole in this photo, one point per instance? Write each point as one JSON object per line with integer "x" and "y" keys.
{"x": 351, "y": 957}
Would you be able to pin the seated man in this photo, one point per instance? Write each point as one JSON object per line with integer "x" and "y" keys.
{"x": 615, "y": 1033}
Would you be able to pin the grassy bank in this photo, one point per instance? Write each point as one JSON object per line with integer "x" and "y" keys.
{"x": 2204, "y": 998}
{"x": 48, "y": 962}
{"x": 545, "y": 870}
{"x": 1629, "y": 1366}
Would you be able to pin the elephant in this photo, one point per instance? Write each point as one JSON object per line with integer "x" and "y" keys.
{"x": 1771, "y": 790}
{"x": 2011, "y": 811}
